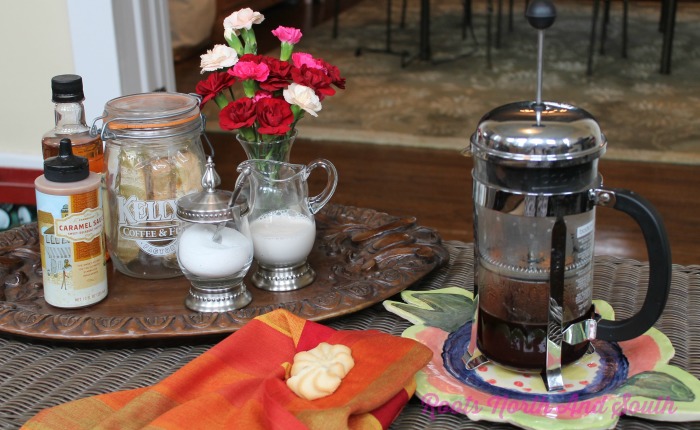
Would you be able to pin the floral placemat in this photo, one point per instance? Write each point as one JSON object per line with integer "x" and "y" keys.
{"x": 627, "y": 378}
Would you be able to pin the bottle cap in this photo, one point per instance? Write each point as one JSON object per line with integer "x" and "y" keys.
{"x": 67, "y": 89}
{"x": 66, "y": 167}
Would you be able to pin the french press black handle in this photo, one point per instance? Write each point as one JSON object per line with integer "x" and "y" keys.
{"x": 659, "y": 253}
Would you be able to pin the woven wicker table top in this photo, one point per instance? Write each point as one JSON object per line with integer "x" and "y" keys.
{"x": 35, "y": 375}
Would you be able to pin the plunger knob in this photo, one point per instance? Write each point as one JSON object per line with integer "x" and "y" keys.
{"x": 541, "y": 14}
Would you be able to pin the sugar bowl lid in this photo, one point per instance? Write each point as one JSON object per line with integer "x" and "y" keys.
{"x": 211, "y": 205}
{"x": 529, "y": 134}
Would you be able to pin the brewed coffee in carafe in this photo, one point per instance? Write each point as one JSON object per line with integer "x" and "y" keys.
{"x": 513, "y": 279}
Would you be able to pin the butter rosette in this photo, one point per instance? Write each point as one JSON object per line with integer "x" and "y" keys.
{"x": 318, "y": 372}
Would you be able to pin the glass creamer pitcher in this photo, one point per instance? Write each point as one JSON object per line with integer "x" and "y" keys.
{"x": 281, "y": 220}
{"x": 536, "y": 188}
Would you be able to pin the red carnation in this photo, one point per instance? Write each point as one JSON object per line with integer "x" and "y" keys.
{"x": 213, "y": 85}
{"x": 274, "y": 116}
{"x": 278, "y": 67}
{"x": 253, "y": 58}
{"x": 279, "y": 77}
{"x": 238, "y": 114}
{"x": 334, "y": 73}
{"x": 313, "y": 78}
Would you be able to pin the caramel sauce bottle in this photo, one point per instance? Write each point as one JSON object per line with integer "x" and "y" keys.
{"x": 68, "y": 96}
{"x": 71, "y": 231}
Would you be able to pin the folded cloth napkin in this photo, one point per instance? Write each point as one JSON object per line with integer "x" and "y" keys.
{"x": 240, "y": 384}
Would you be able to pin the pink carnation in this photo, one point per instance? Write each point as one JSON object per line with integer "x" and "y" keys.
{"x": 250, "y": 70}
{"x": 287, "y": 34}
{"x": 301, "y": 59}
{"x": 261, "y": 95}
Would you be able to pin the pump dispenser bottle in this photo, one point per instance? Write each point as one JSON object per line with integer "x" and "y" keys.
{"x": 71, "y": 231}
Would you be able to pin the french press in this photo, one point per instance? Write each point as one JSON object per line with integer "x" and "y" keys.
{"x": 536, "y": 188}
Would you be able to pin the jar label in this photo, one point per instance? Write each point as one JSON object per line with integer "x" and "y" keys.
{"x": 72, "y": 248}
{"x": 152, "y": 224}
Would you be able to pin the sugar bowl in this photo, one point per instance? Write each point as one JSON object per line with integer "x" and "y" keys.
{"x": 214, "y": 248}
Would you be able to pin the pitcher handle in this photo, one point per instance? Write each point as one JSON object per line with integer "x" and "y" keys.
{"x": 317, "y": 202}
{"x": 659, "y": 254}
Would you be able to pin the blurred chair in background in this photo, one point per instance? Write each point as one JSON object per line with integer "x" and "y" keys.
{"x": 604, "y": 30}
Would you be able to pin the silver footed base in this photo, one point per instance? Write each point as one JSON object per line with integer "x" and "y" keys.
{"x": 221, "y": 299}
{"x": 283, "y": 278}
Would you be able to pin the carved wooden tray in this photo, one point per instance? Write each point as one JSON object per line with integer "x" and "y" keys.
{"x": 361, "y": 257}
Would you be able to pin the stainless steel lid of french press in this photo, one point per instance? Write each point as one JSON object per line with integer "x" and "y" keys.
{"x": 210, "y": 205}
{"x": 535, "y": 134}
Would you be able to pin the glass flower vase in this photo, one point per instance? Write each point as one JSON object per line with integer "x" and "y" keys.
{"x": 275, "y": 149}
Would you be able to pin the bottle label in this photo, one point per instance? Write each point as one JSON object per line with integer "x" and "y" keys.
{"x": 81, "y": 227}
{"x": 72, "y": 248}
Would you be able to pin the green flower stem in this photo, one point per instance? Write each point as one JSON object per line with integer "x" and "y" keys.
{"x": 235, "y": 43}
{"x": 248, "y": 134}
{"x": 286, "y": 52}
{"x": 276, "y": 145}
{"x": 296, "y": 110}
{"x": 249, "y": 88}
{"x": 221, "y": 100}
{"x": 251, "y": 45}
{"x": 281, "y": 149}
{"x": 298, "y": 114}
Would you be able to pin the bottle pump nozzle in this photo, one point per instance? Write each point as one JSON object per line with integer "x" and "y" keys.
{"x": 66, "y": 167}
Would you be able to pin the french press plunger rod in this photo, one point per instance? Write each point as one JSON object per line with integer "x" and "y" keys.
{"x": 536, "y": 187}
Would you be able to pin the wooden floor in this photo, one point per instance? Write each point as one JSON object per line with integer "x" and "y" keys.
{"x": 435, "y": 185}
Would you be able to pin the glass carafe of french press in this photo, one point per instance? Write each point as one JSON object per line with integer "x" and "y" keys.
{"x": 536, "y": 188}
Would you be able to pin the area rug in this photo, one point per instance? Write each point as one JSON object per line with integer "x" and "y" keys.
{"x": 644, "y": 115}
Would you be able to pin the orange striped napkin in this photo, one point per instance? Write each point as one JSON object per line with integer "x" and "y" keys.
{"x": 240, "y": 384}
